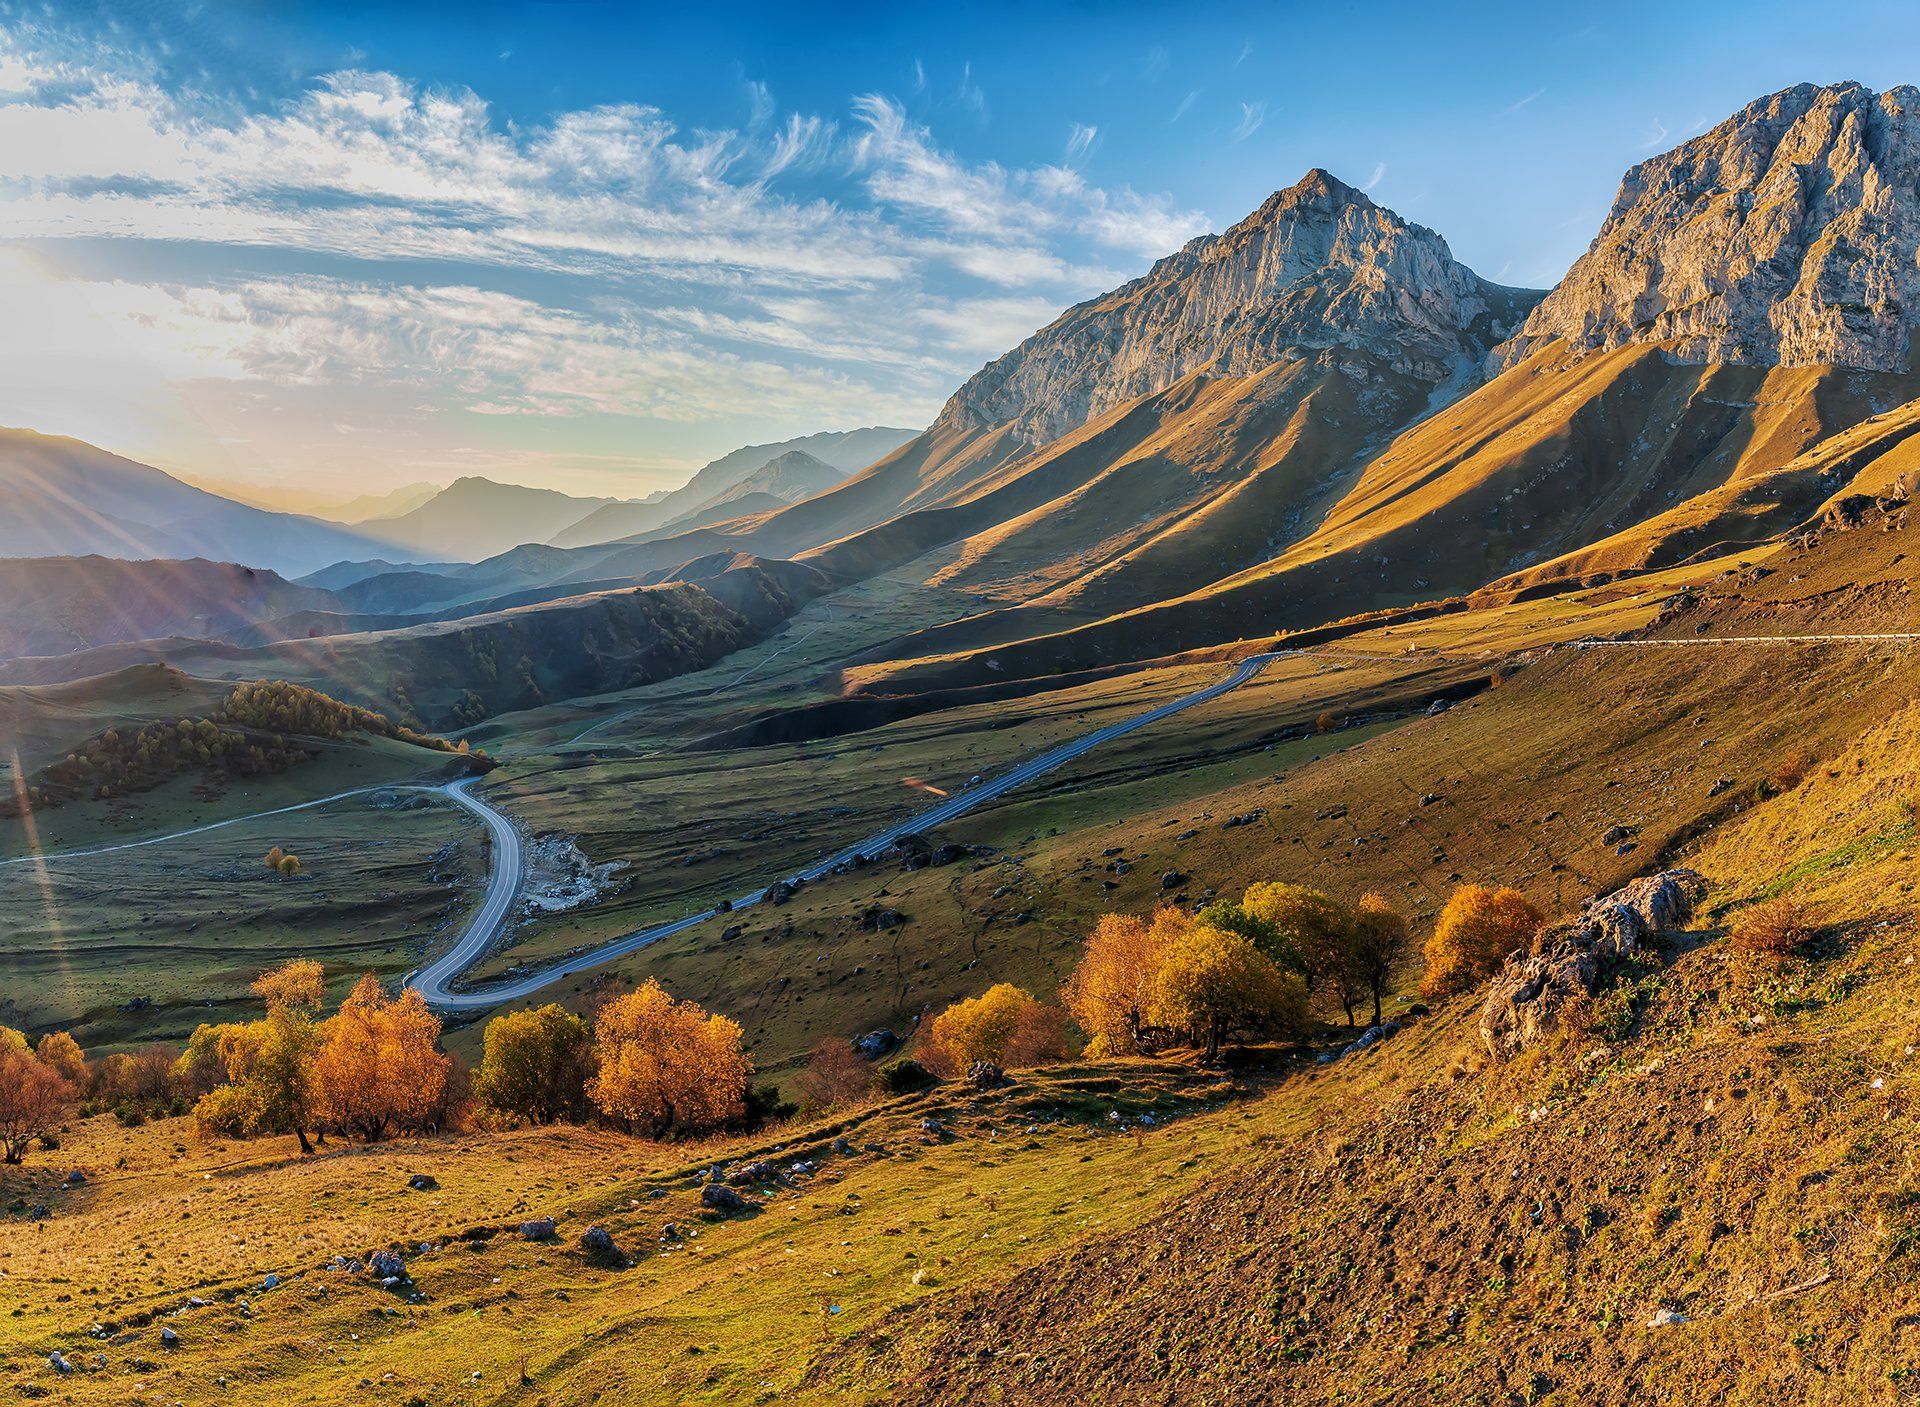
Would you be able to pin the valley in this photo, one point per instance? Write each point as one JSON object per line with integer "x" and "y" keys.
{"x": 895, "y": 918}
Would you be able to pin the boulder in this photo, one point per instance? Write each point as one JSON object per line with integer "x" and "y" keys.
{"x": 58, "y": 1362}
{"x": 386, "y": 1265}
{"x": 782, "y": 890}
{"x": 1172, "y": 879}
{"x": 984, "y": 1074}
{"x": 876, "y": 918}
{"x": 1567, "y": 959}
{"x": 598, "y": 1242}
{"x": 169, "y": 1338}
{"x": 875, "y": 1045}
{"x": 757, "y": 1171}
{"x": 718, "y": 1197}
{"x": 541, "y": 1228}
{"x": 422, "y": 1182}
{"x": 75, "y": 1178}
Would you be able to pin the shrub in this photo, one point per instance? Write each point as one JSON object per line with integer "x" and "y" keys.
{"x": 1771, "y": 931}
{"x": 904, "y": 1075}
{"x": 835, "y": 1077}
{"x": 1476, "y": 931}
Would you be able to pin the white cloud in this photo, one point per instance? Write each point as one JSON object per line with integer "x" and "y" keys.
{"x": 1251, "y": 116}
{"x": 1080, "y": 141}
{"x": 1379, "y": 171}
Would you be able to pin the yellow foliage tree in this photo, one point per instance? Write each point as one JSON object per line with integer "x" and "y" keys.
{"x": 268, "y": 1064}
{"x": 1309, "y": 929}
{"x": 61, "y": 1053}
{"x": 1212, "y": 983}
{"x": 667, "y": 1067}
{"x": 1111, "y": 991}
{"x": 1476, "y": 931}
{"x": 378, "y": 1067}
{"x": 535, "y": 1064}
{"x": 1004, "y": 1025}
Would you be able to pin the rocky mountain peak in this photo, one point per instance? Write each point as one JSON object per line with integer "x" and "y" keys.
{"x": 1789, "y": 235}
{"x": 1318, "y": 270}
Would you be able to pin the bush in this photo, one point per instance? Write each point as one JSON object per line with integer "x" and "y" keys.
{"x": 667, "y": 1067}
{"x": 1476, "y": 931}
{"x": 1771, "y": 931}
{"x": 903, "y": 1075}
{"x": 1003, "y": 1025}
{"x": 535, "y": 1064}
{"x": 835, "y": 1078}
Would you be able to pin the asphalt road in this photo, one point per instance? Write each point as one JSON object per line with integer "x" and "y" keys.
{"x": 435, "y": 980}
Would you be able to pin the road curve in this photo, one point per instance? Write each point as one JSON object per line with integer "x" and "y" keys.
{"x": 435, "y": 980}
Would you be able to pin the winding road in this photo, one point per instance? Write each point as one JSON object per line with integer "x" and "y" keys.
{"x": 435, "y": 980}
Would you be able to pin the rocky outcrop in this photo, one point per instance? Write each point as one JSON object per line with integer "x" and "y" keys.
{"x": 1567, "y": 959}
{"x": 1786, "y": 236}
{"x": 1317, "y": 269}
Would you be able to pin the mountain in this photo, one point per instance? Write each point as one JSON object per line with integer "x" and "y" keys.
{"x": 845, "y": 450}
{"x": 67, "y": 498}
{"x": 1783, "y": 237}
{"x": 318, "y": 503}
{"x": 1317, "y": 268}
{"x": 474, "y": 518}
{"x": 1693, "y": 385}
{"x": 789, "y": 478}
{"x": 54, "y": 606}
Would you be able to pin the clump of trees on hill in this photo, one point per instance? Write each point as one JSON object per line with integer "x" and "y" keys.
{"x": 255, "y": 732}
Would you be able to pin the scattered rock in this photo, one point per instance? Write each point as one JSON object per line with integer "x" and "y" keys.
{"x": 74, "y": 1179}
{"x": 731, "y": 932}
{"x": 386, "y": 1265}
{"x": 1245, "y": 818}
{"x": 272, "y": 1282}
{"x": 1373, "y": 1035}
{"x": 756, "y": 1171}
{"x": 58, "y": 1362}
{"x": 1664, "y": 1317}
{"x": 843, "y": 1148}
{"x": 541, "y": 1228}
{"x": 1172, "y": 879}
{"x": 169, "y": 1338}
{"x": 878, "y": 919}
{"x": 422, "y": 1182}
{"x": 875, "y": 1044}
{"x": 717, "y": 1196}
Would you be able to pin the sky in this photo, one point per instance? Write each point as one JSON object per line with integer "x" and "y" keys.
{"x": 354, "y": 245}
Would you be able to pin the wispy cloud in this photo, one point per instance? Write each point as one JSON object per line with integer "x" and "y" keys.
{"x": 1246, "y": 52}
{"x": 970, "y": 95}
{"x": 602, "y": 262}
{"x": 1513, "y": 107}
{"x": 1155, "y": 63}
{"x": 1185, "y": 105}
{"x": 1656, "y": 134}
{"x": 1251, "y": 116}
{"x": 1379, "y": 171}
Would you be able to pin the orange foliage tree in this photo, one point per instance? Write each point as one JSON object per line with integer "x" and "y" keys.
{"x": 33, "y": 1099}
{"x": 667, "y": 1067}
{"x": 1476, "y": 931}
{"x": 378, "y": 1067}
{"x": 61, "y": 1053}
{"x": 1110, "y": 993}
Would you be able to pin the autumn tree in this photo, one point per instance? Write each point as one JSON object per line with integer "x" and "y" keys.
{"x": 139, "y": 1077}
{"x": 1476, "y": 931}
{"x": 61, "y": 1053}
{"x": 835, "y": 1077}
{"x": 987, "y": 1027}
{"x": 378, "y": 1067}
{"x": 535, "y": 1064}
{"x": 1212, "y": 984}
{"x": 1309, "y": 930}
{"x": 268, "y": 1064}
{"x": 667, "y": 1067}
{"x": 1377, "y": 944}
{"x": 33, "y": 1099}
{"x": 1110, "y": 993}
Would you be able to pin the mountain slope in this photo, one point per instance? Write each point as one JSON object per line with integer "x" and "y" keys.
{"x": 64, "y": 497}
{"x": 56, "y": 605}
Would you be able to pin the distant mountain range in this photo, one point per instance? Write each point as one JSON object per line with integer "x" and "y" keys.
{"x": 845, "y": 451}
{"x": 318, "y": 503}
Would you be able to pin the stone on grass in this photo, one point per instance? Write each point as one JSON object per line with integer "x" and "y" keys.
{"x": 717, "y": 1196}
{"x": 539, "y": 1229}
{"x": 422, "y": 1182}
{"x": 598, "y": 1241}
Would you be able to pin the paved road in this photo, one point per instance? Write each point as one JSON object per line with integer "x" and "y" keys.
{"x": 50, "y": 856}
{"x": 434, "y": 981}
{"x": 1896, "y": 638}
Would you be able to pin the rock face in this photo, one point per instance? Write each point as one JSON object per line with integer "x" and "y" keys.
{"x": 1786, "y": 236}
{"x": 1524, "y": 1002}
{"x": 1318, "y": 268}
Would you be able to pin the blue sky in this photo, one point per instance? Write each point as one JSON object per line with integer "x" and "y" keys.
{"x": 593, "y": 246}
